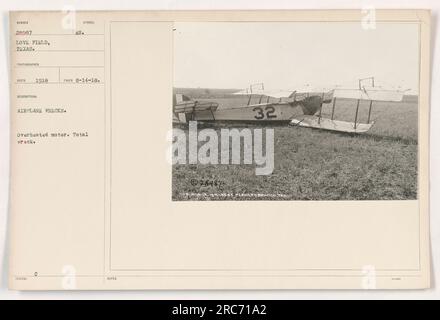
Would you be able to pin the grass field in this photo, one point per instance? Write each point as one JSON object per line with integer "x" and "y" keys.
{"x": 313, "y": 164}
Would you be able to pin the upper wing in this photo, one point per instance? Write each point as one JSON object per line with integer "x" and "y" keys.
{"x": 273, "y": 94}
{"x": 366, "y": 93}
{"x": 375, "y": 94}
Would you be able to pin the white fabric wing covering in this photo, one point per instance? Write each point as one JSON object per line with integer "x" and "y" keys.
{"x": 273, "y": 94}
{"x": 369, "y": 94}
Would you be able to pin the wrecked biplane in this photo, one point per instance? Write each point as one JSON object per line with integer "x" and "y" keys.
{"x": 301, "y": 107}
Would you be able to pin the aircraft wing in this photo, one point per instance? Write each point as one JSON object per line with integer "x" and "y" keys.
{"x": 369, "y": 94}
{"x": 366, "y": 93}
{"x": 273, "y": 94}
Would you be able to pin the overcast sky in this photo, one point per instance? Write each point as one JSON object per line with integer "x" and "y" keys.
{"x": 288, "y": 54}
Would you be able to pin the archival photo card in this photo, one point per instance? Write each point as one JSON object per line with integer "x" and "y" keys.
{"x": 219, "y": 150}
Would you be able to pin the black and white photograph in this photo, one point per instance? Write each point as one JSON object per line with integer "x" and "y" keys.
{"x": 295, "y": 110}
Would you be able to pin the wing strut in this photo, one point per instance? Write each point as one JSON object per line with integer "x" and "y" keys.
{"x": 369, "y": 111}
{"x": 356, "y": 114}
{"x": 320, "y": 109}
{"x": 333, "y": 107}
